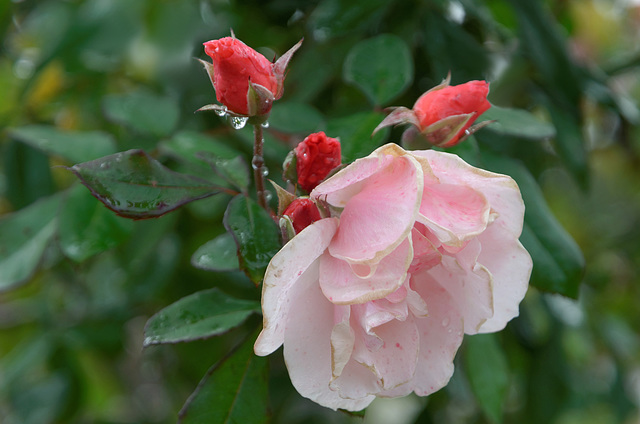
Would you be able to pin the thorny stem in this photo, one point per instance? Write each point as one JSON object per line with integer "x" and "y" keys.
{"x": 257, "y": 163}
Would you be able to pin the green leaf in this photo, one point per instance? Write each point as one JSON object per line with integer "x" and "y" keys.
{"x": 558, "y": 263}
{"x": 355, "y": 132}
{"x": 255, "y": 233}
{"x": 517, "y": 122}
{"x": 570, "y": 145}
{"x": 186, "y": 144}
{"x": 25, "y": 236}
{"x": 219, "y": 254}
{"x": 143, "y": 112}
{"x": 235, "y": 171}
{"x": 200, "y": 315}
{"x": 333, "y": 18}
{"x": 381, "y": 67}
{"x": 488, "y": 373}
{"x": 233, "y": 391}
{"x": 134, "y": 185}
{"x": 87, "y": 227}
{"x": 73, "y": 146}
{"x": 28, "y": 174}
{"x": 295, "y": 117}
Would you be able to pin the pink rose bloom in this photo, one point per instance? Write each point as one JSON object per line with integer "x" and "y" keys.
{"x": 420, "y": 249}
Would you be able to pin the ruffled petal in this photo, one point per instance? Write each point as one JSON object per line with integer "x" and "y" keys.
{"x": 307, "y": 347}
{"x": 440, "y": 337}
{"x": 510, "y": 265}
{"x": 341, "y": 285}
{"x": 501, "y": 191}
{"x": 469, "y": 284}
{"x": 380, "y": 216}
{"x": 454, "y": 213}
{"x": 342, "y": 340}
{"x": 283, "y": 273}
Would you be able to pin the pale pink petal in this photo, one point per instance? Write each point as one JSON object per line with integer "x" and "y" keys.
{"x": 440, "y": 337}
{"x": 342, "y": 286}
{"x": 379, "y": 217}
{"x": 470, "y": 286}
{"x": 356, "y": 382}
{"x": 342, "y": 340}
{"x": 454, "y": 213}
{"x": 510, "y": 265}
{"x": 425, "y": 255}
{"x": 339, "y": 188}
{"x": 501, "y": 191}
{"x": 283, "y": 272}
{"x": 307, "y": 347}
{"x": 390, "y": 365}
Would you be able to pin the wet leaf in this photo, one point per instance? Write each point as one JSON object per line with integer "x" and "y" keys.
{"x": 256, "y": 235}
{"x": 134, "y": 185}
{"x": 200, "y": 315}
{"x": 219, "y": 254}
{"x": 234, "y": 171}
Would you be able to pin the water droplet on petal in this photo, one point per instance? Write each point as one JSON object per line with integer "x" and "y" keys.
{"x": 445, "y": 322}
{"x": 238, "y": 122}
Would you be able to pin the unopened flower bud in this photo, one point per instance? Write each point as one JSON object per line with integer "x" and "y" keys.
{"x": 302, "y": 212}
{"x": 316, "y": 156}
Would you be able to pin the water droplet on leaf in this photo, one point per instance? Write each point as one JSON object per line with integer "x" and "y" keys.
{"x": 222, "y": 111}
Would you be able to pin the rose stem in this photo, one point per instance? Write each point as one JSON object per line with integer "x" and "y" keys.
{"x": 257, "y": 163}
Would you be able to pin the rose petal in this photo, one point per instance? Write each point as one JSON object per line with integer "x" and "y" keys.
{"x": 283, "y": 272}
{"x": 501, "y": 191}
{"x": 379, "y": 217}
{"x": 342, "y": 340}
{"x": 454, "y": 213}
{"x": 510, "y": 265}
{"x": 341, "y": 285}
{"x": 307, "y": 348}
{"x": 469, "y": 284}
{"x": 440, "y": 336}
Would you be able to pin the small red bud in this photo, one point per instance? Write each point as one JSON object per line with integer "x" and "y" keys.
{"x": 316, "y": 156}
{"x": 303, "y": 212}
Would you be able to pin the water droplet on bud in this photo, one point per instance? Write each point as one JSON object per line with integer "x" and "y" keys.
{"x": 222, "y": 111}
{"x": 238, "y": 122}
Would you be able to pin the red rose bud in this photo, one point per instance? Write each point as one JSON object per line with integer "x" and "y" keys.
{"x": 316, "y": 156}
{"x": 302, "y": 212}
{"x": 245, "y": 81}
{"x": 445, "y": 114}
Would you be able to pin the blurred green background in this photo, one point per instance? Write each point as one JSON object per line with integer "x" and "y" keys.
{"x": 84, "y": 79}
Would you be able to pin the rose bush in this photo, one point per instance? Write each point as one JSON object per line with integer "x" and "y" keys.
{"x": 374, "y": 300}
{"x": 444, "y": 114}
{"x": 245, "y": 81}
